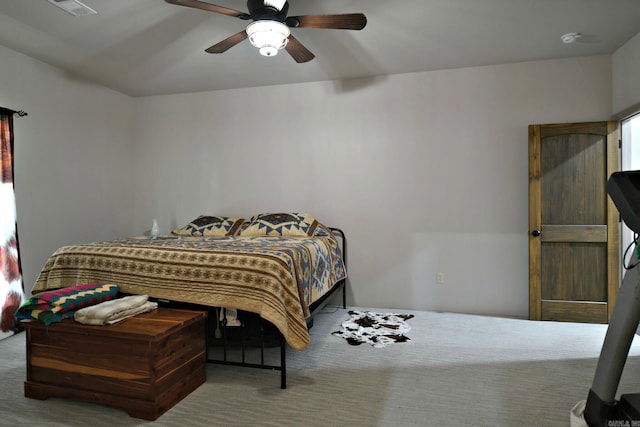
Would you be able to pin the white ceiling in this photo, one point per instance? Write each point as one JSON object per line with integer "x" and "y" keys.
{"x": 149, "y": 47}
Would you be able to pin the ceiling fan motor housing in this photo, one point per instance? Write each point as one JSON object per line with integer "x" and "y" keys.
{"x": 260, "y": 11}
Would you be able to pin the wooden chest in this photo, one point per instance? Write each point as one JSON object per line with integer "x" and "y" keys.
{"x": 144, "y": 364}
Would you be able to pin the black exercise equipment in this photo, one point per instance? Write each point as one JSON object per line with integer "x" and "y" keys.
{"x": 602, "y": 408}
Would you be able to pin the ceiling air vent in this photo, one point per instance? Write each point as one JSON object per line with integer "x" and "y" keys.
{"x": 73, "y": 7}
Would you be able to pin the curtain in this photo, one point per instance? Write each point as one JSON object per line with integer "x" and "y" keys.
{"x": 11, "y": 289}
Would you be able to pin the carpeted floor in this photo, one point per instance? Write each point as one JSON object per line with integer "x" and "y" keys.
{"x": 4, "y": 335}
{"x": 457, "y": 370}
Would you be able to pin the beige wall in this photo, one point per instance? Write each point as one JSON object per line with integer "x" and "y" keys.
{"x": 626, "y": 77}
{"x": 425, "y": 172}
{"x": 72, "y": 159}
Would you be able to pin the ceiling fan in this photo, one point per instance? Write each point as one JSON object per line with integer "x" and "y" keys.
{"x": 270, "y": 29}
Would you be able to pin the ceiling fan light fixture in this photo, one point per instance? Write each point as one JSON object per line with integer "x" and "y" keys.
{"x": 268, "y": 36}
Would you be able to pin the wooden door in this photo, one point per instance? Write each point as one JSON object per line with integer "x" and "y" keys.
{"x": 574, "y": 228}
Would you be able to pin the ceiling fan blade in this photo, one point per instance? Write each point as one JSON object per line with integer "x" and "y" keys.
{"x": 211, "y": 8}
{"x": 348, "y": 21}
{"x": 227, "y": 43}
{"x": 297, "y": 51}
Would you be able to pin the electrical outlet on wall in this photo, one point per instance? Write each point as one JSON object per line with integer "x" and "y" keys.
{"x": 439, "y": 278}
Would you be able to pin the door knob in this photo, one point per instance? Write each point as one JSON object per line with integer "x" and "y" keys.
{"x": 536, "y": 233}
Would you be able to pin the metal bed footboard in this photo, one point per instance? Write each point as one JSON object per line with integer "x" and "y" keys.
{"x": 225, "y": 344}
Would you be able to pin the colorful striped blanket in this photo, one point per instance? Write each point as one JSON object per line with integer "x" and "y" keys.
{"x": 277, "y": 278}
{"x": 53, "y": 306}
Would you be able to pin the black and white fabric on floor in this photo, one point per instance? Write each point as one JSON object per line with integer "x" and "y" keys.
{"x": 377, "y": 329}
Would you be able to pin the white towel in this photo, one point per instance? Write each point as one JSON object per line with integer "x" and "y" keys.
{"x": 115, "y": 310}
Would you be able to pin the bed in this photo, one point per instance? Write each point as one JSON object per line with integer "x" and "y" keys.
{"x": 278, "y": 266}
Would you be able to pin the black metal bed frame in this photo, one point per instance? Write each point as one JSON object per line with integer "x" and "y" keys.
{"x": 282, "y": 367}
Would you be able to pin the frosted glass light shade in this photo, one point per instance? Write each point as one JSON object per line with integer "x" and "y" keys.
{"x": 268, "y": 36}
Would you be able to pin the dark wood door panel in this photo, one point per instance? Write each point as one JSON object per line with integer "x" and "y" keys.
{"x": 574, "y": 179}
{"x": 585, "y": 128}
{"x": 574, "y": 272}
{"x": 573, "y": 233}
{"x": 574, "y": 311}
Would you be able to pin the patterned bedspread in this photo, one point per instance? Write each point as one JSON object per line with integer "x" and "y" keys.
{"x": 276, "y": 277}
